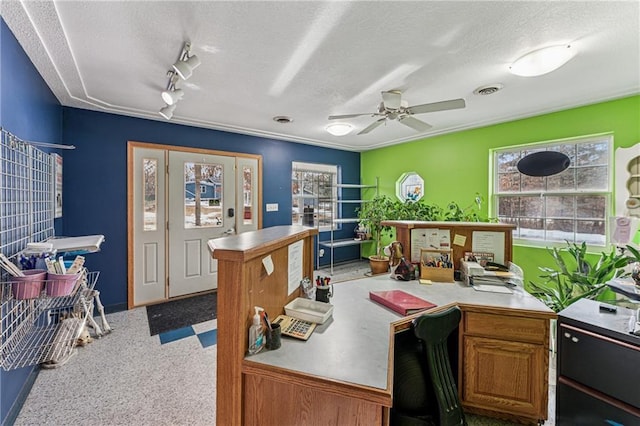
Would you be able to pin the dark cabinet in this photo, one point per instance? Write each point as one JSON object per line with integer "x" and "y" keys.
{"x": 598, "y": 367}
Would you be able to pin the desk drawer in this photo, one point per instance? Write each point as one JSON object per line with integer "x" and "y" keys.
{"x": 575, "y": 406}
{"x": 506, "y": 327}
{"x": 599, "y": 362}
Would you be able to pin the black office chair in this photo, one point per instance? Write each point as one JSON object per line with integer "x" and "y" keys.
{"x": 434, "y": 330}
{"x": 414, "y": 402}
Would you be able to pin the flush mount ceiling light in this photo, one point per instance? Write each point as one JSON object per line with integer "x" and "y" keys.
{"x": 543, "y": 61}
{"x": 187, "y": 63}
{"x": 167, "y": 111}
{"x": 339, "y": 129}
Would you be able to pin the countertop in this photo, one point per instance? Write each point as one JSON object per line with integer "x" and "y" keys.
{"x": 353, "y": 345}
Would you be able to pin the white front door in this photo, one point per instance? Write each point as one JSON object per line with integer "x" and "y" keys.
{"x": 179, "y": 200}
{"x": 201, "y": 206}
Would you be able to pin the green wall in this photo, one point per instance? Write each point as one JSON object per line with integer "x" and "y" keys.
{"x": 456, "y": 166}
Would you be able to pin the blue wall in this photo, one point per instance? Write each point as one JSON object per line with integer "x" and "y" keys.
{"x": 29, "y": 110}
{"x": 95, "y": 180}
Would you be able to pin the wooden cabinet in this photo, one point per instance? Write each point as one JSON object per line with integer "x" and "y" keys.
{"x": 504, "y": 364}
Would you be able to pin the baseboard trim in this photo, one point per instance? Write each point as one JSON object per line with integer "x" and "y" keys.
{"x": 110, "y": 309}
{"x": 12, "y": 415}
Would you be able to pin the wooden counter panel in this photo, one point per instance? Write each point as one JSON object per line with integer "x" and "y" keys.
{"x": 252, "y": 244}
{"x": 343, "y": 389}
{"x": 271, "y": 402}
{"x": 243, "y": 283}
{"x": 462, "y": 229}
{"x": 232, "y": 342}
{"x": 518, "y": 328}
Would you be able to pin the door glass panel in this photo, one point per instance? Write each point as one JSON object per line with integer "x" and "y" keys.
{"x": 150, "y": 190}
{"x": 247, "y": 191}
{"x": 203, "y": 203}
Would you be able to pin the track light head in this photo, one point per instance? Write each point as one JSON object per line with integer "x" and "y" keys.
{"x": 172, "y": 96}
{"x": 167, "y": 111}
{"x": 184, "y": 68}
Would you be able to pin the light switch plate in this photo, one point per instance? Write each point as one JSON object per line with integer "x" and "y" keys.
{"x": 272, "y": 207}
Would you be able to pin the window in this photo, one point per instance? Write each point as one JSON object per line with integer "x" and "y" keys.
{"x": 570, "y": 206}
{"x": 150, "y": 190}
{"x": 203, "y": 209}
{"x": 314, "y": 193}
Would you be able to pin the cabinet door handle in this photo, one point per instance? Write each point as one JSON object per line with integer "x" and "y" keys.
{"x": 575, "y": 339}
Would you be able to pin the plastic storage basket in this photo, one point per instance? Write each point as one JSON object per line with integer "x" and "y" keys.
{"x": 29, "y": 286}
{"x": 60, "y": 284}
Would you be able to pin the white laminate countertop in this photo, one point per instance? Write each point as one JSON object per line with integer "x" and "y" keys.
{"x": 353, "y": 345}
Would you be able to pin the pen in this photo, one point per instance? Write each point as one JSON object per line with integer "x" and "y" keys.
{"x": 266, "y": 320}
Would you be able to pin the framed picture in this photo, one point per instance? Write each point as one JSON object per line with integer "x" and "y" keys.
{"x": 57, "y": 185}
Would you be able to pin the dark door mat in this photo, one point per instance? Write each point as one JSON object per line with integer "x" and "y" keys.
{"x": 181, "y": 313}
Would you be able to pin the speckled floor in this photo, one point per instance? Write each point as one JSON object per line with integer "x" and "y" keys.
{"x": 130, "y": 378}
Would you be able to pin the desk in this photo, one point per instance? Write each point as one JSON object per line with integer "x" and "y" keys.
{"x": 348, "y": 361}
{"x": 342, "y": 375}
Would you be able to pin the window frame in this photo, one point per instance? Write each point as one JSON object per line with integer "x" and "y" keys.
{"x": 318, "y": 168}
{"x": 495, "y": 194}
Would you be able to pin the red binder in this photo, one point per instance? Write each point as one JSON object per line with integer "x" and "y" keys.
{"x": 401, "y": 302}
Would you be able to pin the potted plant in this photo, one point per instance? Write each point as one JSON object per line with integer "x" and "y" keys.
{"x": 575, "y": 277}
{"x": 370, "y": 216}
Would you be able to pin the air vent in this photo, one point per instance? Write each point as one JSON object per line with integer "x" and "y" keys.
{"x": 489, "y": 89}
{"x": 282, "y": 119}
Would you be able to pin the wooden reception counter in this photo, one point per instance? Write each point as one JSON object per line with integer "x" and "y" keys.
{"x": 343, "y": 375}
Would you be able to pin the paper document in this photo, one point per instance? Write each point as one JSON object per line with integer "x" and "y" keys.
{"x": 295, "y": 265}
{"x": 491, "y": 242}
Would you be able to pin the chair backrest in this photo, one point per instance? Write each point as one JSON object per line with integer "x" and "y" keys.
{"x": 434, "y": 329}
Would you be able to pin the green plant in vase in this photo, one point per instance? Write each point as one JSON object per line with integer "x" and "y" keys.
{"x": 370, "y": 216}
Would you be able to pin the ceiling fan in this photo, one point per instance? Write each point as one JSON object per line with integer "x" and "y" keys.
{"x": 393, "y": 107}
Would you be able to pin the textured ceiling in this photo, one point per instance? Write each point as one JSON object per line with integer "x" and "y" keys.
{"x": 309, "y": 60}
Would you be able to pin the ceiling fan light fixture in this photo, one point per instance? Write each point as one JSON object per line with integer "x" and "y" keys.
{"x": 339, "y": 129}
{"x": 171, "y": 97}
{"x": 167, "y": 111}
{"x": 543, "y": 61}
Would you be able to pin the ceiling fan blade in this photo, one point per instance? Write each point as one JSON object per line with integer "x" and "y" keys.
{"x": 392, "y": 99}
{"x": 340, "y": 117}
{"x": 372, "y": 126}
{"x": 414, "y": 123}
{"x": 437, "y": 106}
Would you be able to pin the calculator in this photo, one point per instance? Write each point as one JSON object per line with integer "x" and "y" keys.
{"x": 295, "y": 327}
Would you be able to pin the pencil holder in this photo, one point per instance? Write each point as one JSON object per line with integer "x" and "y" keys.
{"x": 274, "y": 337}
{"x": 323, "y": 293}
